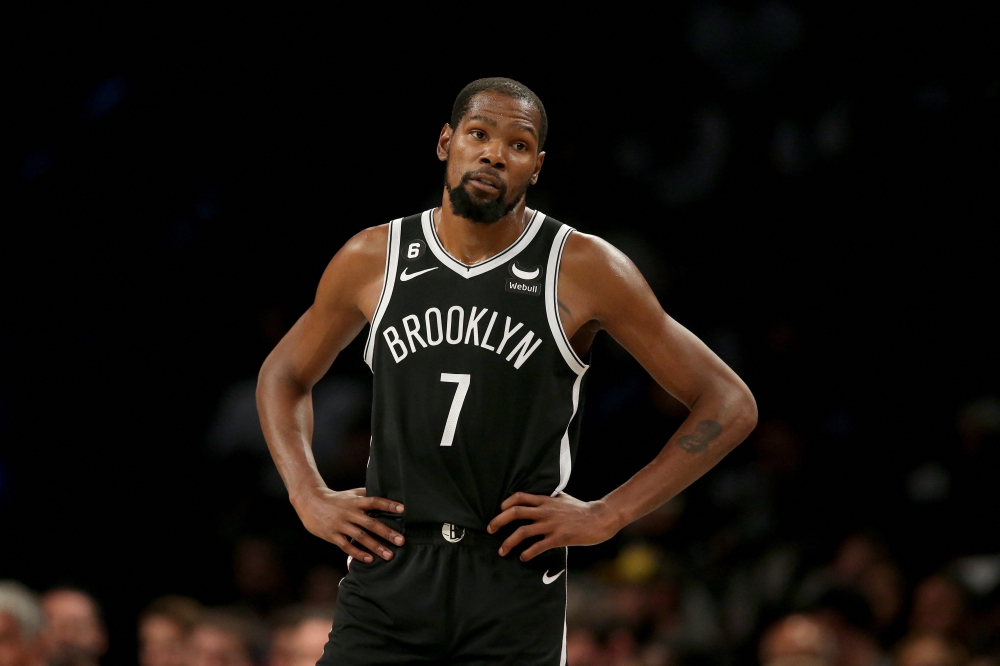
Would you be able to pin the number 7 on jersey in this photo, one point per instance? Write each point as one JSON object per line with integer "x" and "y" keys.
{"x": 461, "y": 390}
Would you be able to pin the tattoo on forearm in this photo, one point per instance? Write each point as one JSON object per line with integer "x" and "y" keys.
{"x": 562, "y": 306}
{"x": 704, "y": 432}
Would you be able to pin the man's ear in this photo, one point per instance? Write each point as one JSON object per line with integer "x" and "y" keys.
{"x": 444, "y": 142}
{"x": 539, "y": 161}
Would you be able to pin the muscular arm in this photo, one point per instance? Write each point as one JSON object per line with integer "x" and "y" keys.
{"x": 345, "y": 301}
{"x": 599, "y": 288}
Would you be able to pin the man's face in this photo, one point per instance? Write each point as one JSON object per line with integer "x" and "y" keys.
{"x": 161, "y": 642}
{"x": 282, "y": 651}
{"x": 492, "y": 156}
{"x": 210, "y": 646}
{"x": 15, "y": 648}
{"x": 310, "y": 639}
{"x": 74, "y": 627}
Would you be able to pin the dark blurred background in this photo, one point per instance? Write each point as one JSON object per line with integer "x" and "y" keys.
{"x": 808, "y": 189}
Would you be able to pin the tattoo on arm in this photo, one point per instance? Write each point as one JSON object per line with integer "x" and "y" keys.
{"x": 704, "y": 432}
{"x": 562, "y": 306}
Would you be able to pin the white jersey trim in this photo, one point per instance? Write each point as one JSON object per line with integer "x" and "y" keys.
{"x": 562, "y": 659}
{"x": 391, "y": 263}
{"x": 565, "y": 457}
{"x": 467, "y": 271}
{"x": 559, "y": 335}
{"x": 552, "y": 302}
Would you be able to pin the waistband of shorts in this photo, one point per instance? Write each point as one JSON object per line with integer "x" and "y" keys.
{"x": 446, "y": 533}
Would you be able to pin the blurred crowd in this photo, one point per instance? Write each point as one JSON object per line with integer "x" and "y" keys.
{"x": 648, "y": 609}
{"x": 64, "y": 627}
{"x": 645, "y": 607}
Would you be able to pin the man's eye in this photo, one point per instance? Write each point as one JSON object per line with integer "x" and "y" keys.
{"x": 479, "y": 134}
{"x": 520, "y": 146}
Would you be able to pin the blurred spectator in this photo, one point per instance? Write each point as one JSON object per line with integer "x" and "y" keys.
{"x": 938, "y": 607}
{"x": 226, "y": 638}
{"x": 259, "y": 575}
{"x": 798, "y": 640}
{"x": 21, "y": 625}
{"x": 281, "y": 648}
{"x": 298, "y": 635}
{"x": 603, "y": 616}
{"x": 758, "y": 586}
{"x": 881, "y": 583}
{"x": 321, "y": 585}
{"x": 862, "y": 564}
{"x": 311, "y": 636}
{"x": 608, "y": 646}
{"x": 846, "y": 615}
{"x": 929, "y": 650}
{"x": 583, "y": 648}
{"x": 854, "y": 556}
{"x": 639, "y": 609}
{"x": 164, "y": 628}
{"x": 75, "y": 632}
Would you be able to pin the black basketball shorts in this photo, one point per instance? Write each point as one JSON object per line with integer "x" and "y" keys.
{"x": 447, "y": 597}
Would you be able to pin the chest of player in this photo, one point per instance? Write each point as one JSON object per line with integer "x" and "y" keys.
{"x": 501, "y": 313}
{"x": 437, "y": 312}
{"x": 442, "y": 309}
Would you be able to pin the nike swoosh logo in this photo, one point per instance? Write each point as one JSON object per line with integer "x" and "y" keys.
{"x": 547, "y": 579}
{"x": 525, "y": 275}
{"x": 404, "y": 277}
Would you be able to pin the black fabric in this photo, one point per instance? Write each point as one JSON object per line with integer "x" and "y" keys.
{"x": 456, "y": 600}
{"x": 514, "y": 415}
{"x": 467, "y": 537}
{"x": 442, "y": 603}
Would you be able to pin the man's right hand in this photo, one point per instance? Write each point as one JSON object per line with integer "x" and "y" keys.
{"x": 340, "y": 518}
{"x": 345, "y": 303}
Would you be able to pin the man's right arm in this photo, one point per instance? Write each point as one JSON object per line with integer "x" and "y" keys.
{"x": 346, "y": 299}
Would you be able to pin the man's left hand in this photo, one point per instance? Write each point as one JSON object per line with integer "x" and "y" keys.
{"x": 561, "y": 521}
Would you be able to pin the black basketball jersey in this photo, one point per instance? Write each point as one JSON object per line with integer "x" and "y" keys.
{"x": 477, "y": 391}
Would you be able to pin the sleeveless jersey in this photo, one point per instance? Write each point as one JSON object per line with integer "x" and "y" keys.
{"x": 477, "y": 391}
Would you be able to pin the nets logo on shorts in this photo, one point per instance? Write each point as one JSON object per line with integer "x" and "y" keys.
{"x": 523, "y": 280}
{"x": 452, "y": 533}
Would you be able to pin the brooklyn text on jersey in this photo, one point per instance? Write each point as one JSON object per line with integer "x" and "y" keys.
{"x": 436, "y": 333}
{"x": 477, "y": 390}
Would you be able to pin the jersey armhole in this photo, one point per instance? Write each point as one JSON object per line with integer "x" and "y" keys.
{"x": 391, "y": 263}
{"x": 552, "y": 302}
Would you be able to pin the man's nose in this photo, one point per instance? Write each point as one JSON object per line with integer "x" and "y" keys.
{"x": 493, "y": 155}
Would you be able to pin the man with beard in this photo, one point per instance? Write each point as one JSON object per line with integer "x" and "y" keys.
{"x": 482, "y": 313}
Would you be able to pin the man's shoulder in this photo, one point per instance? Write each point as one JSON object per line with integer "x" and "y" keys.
{"x": 367, "y": 244}
{"x": 592, "y": 254}
{"x": 374, "y": 240}
{"x": 598, "y": 278}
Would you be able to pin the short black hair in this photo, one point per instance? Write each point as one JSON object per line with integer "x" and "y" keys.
{"x": 501, "y": 86}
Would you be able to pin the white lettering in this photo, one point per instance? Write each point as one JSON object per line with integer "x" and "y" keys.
{"x": 474, "y": 325}
{"x": 488, "y": 329}
{"x": 413, "y": 251}
{"x": 525, "y": 350}
{"x": 413, "y": 332}
{"x": 427, "y": 322}
{"x": 458, "y": 329}
{"x": 508, "y": 333}
{"x": 393, "y": 341}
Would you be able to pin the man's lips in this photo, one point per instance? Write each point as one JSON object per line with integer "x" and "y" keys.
{"x": 486, "y": 181}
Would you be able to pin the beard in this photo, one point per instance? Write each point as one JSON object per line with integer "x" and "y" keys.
{"x": 484, "y": 212}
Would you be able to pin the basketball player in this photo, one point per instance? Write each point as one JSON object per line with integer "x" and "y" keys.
{"x": 482, "y": 313}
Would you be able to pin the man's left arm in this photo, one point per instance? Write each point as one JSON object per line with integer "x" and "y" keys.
{"x": 600, "y": 288}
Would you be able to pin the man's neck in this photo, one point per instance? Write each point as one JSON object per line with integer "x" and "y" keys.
{"x": 475, "y": 242}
